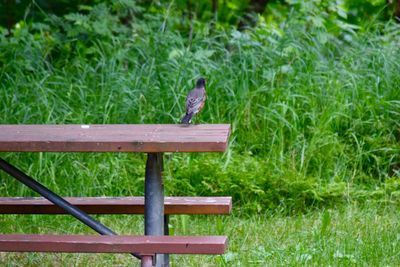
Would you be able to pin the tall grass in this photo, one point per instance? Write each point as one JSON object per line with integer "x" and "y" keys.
{"x": 314, "y": 122}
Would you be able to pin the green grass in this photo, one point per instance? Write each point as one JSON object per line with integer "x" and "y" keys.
{"x": 354, "y": 235}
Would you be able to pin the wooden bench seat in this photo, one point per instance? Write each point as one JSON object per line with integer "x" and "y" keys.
{"x": 117, "y": 205}
{"x": 143, "y": 245}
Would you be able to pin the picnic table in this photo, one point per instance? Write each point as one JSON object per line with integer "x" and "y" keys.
{"x": 155, "y": 139}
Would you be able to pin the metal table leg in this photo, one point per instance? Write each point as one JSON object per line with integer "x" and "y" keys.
{"x": 154, "y": 200}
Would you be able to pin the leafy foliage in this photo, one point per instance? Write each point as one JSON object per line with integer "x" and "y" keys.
{"x": 312, "y": 99}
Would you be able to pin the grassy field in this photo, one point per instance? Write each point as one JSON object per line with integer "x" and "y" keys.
{"x": 352, "y": 235}
{"x": 314, "y": 160}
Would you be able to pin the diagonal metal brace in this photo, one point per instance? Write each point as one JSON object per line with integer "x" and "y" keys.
{"x": 57, "y": 200}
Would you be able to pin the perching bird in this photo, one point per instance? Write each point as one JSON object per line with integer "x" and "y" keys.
{"x": 195, "y": 100}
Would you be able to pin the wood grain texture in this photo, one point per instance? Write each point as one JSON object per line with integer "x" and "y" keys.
{"x": 113, "y": 244}
{"x": 114, "y": 138}
{"x": 116, "y": 205}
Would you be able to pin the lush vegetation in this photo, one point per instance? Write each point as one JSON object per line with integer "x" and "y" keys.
{"x": 315, "y": 113}
{"x": 311, "y": 91}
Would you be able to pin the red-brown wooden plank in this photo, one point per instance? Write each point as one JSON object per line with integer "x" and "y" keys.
{"x": 113, "y": 244}
{"x": 114, "y": 138}
{"x": 117, "y": 205}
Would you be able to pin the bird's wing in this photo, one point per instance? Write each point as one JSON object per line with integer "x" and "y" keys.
{"x": 194, "y": 101}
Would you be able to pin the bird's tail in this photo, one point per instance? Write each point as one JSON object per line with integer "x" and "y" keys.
{"x": 187, "y": 119}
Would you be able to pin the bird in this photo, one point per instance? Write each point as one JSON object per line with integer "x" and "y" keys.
{"x": 195, "y": 101}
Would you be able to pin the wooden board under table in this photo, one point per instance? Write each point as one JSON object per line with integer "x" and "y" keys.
{"x": 114, "y": 244}
{"x": 114, "y": 138}
{"x": 116, "y": 205}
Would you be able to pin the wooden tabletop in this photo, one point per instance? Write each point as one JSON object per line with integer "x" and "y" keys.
{"x": 114, "y": 138}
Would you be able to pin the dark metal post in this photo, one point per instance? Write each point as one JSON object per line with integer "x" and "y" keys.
{"x": 154, "y": 200}
{"x": 57, "y": 200}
